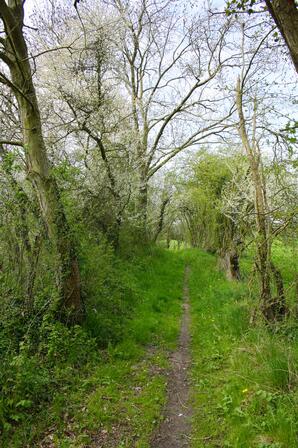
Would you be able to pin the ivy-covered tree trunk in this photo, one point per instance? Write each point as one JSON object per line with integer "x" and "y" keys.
{"x": 142, "y": 204}
{"x": 17, "y": 59}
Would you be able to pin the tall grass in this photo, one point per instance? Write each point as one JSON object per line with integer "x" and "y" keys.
{"x": 245, "y": 376}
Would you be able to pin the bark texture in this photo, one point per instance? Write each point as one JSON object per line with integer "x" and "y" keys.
{"x": 285, "y": 15}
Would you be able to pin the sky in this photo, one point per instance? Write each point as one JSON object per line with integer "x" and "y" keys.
{"x": 29, "y": 5}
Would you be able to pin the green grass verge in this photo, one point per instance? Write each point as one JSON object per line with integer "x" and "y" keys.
{"x": 245, "y": 377}
{"x": 116, "y": 398}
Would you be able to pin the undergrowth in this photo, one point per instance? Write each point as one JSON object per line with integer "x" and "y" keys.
{"x": 103, "y": 382}
{"x": 245, "y": 374}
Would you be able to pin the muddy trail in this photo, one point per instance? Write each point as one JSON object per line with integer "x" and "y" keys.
{"x": 175, "y": 429}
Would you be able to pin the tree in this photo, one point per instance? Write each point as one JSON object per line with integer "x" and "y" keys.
{"x": 131, "y": 80}
{"x": 205, "y": 206}
{"x": 283, "y": 12}
{"x": 251, "y": 133}
{"x": 94, "y": 117}
{"x": 157, "y": 55}
{"x": 285, "y": 16}
{"x": 14, "y": 54}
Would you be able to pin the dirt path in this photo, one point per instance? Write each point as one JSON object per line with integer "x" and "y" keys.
{"x": 174, "y": 430}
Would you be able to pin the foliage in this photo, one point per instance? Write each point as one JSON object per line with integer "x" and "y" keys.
{"x": 68, "y": 374}
{"x": 245, "y": 377}
{"x": 214, "y": 201}
{"x": 89, "y": 309}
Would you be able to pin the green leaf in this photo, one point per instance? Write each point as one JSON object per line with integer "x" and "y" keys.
{"x": 24, "y": 404}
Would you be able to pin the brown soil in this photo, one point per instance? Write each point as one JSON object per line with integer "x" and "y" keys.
{"x": 175, "y": 428}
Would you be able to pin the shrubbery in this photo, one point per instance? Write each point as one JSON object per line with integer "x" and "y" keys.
{"x": 38, "y": 351}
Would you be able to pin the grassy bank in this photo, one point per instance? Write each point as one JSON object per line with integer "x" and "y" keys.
{"x": 114, "y": 396}
{"x": 245, "y": 377}
{"x": 75, "y": 392}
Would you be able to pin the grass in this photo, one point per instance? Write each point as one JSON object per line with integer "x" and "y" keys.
{"x": 245, "y": 377}
{"x": 116, "y": 398}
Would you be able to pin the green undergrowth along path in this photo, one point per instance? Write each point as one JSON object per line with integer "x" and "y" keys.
{"x": 115, "y": 398}
{"x": 245, "y": 376}
{"x": 76, "y": 393}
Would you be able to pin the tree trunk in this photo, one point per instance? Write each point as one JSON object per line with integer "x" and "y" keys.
{"x": 33, "y": 270}
{"x": 280, "y": 307}
{"x": 38, "y": 165}
{"x": 161, "y": 218}
{"x": 229, "y": 262}
{"x": 263, "y": 231}
{"x": 228, "y": 243}
{"x": 168, "y": 241}
{"x": 114, "y": 234}
{"x": 142, "y": 205}
{"x": 285, "y": 15}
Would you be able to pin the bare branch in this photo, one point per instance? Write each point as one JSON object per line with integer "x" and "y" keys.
{"x": 12, "y": 143}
